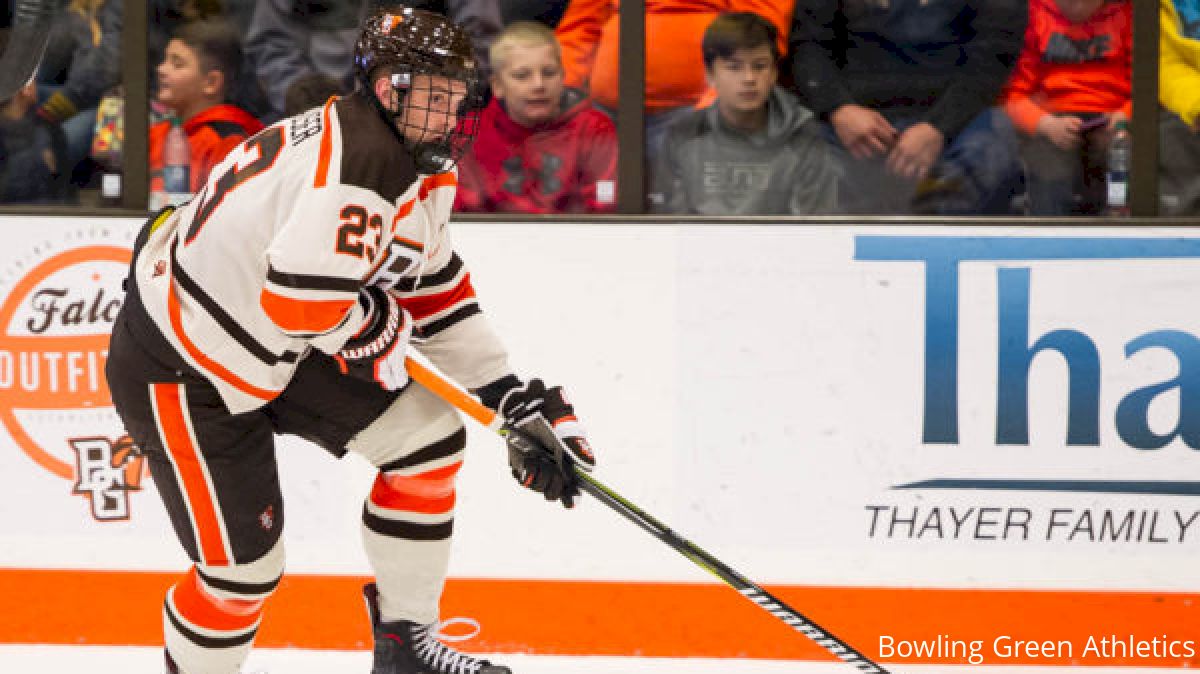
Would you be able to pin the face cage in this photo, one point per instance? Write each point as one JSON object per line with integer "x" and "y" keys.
{"x": 423, "y": 114}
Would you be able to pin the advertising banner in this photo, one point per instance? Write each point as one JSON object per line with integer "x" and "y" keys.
{"x": 898, "y": 429}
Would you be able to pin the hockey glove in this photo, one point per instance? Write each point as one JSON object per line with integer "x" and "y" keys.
{"x": 376, "y": 353}
{"x": 545, "y": 440}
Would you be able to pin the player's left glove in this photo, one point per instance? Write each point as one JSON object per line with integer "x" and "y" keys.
{"x": 545, "y": 439}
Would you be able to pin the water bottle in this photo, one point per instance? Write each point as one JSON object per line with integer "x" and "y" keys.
{"x": 177, "y": 163}
{"x": 1119, "y": 151}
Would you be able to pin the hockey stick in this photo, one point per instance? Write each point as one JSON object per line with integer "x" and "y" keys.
{"x": 747, "y": 588}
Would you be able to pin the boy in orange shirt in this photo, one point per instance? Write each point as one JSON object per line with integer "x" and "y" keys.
{"x": 194, "y": 79}
{"x": 1071, "y": 86}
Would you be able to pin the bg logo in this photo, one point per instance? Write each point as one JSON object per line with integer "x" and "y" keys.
{"x": 107, "y": 472}
{"x": 54, "y": 402}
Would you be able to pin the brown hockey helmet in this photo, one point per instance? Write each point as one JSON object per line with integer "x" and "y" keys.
{"x": 410, "y": 42}
{"x": 414, "y": 41}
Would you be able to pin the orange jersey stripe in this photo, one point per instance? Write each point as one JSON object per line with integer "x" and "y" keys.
{"x": 206, "y": 362}
{"x": 294, "y": 315}
{"x": 204, "y": 610}
{"x": 417, "y": 245}
{"x": 427, "y": 305}
{"x": 431, "y": 493}
{"x": 177, "y": 440}
{"x": 435, "y": 181}
{"x": 403, "y": 211}
{"x": 326, "y": 147}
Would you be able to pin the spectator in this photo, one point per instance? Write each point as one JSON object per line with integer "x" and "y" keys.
{"x": 675, "y": 79}
{"x": 756, "y": 150}
{"x": 1179, "y": 93}
{"x": 549, "y": 12}
{"x": 308, "y": 91}
{"x": 290, "y": 38}
{"x": 1072, "y": 84}
{"x": 194, "y": 80}
{"x": 81, "y": 63}
{"x": 32, "y": 153}
{"x": 166, "y": 16}
{"x": 908, "y": 88}
{"x": 542, "y": 148}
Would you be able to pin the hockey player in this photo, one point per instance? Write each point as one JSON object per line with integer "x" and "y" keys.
{"x": 282, "y": 300}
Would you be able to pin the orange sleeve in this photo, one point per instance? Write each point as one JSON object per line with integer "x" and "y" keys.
{"x": 295, "y": 315}
{"x": 212, "y": 155}
{"x": 778, "y": 13}
{"x": 1018, "y": 94}
{"x": 1127, "y": 109}
{"x": 579, "y": 34}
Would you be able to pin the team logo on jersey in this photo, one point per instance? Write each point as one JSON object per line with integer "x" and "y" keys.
{"x": 266, "y": 519}
{"x": 60, "y": 300}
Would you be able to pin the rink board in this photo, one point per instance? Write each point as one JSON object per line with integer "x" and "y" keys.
{"x": 908, "y": 432}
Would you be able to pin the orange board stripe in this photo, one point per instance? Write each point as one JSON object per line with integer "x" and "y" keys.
{"x": 618, "y": 618}
{"x": 177, "y": 439}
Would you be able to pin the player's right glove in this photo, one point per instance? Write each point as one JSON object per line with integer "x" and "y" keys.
{"x": 545, "y": 440}
{"x": 376, "y": 353}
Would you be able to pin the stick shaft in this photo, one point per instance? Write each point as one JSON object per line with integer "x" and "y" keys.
{"x": 748, "y": 589}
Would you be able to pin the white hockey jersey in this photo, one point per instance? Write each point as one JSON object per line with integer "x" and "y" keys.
{"x": 268, "y": 259}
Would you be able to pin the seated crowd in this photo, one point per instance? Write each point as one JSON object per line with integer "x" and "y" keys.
{"x": 756, "y": 107}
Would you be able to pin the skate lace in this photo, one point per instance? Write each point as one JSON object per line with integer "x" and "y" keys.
{"x": 429, "y": 647}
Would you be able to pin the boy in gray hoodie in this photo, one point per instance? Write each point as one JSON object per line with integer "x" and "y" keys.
{"x": 756, "y": 150}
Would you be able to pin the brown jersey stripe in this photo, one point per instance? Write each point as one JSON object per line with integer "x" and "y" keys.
{"x": 441, "y": 449}
{"x": 440, "y": 277}
{"x": 454, "y": 317}
{"x": 235, "y": 587}
{"x": 223, "y": 319}
{"x": 312, "y": 282}
{"x": 408, "y": 530}
{"x": 175, "y": 316}
{"x": 207, "y": 641}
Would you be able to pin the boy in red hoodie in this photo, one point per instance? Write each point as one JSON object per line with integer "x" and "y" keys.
{"x": 542, "y": 148}
{"x": 1071, "y": 86}
{"x": 194, "y": 79}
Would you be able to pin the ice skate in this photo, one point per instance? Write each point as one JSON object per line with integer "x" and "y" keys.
{"x": 404, "y": 647}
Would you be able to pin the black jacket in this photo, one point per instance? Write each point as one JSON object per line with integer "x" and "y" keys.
{"x": 942, "y": 60}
